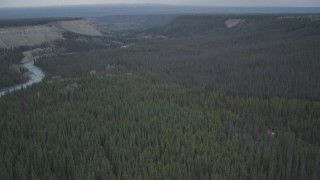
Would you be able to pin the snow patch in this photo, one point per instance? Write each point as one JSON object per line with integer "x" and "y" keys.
{"x": 12, "y": 37}
{"x": 233, "y": 22}
{"x": 81, "y": 27}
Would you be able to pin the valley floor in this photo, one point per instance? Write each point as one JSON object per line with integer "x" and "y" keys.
{"x": 208, "y": 102}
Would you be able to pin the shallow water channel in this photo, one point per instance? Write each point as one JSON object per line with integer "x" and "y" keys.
{"x": 36, "y": 76}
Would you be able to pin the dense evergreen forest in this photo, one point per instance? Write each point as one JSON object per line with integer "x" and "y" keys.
{"x": 7, "y": 76}
{"x": 208, "y": 102}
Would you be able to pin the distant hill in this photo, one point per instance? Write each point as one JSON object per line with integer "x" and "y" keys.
{"x": 106, "y": 10}
{"x": 231, "y": 25}
{"x": 126, "y": 22}
{"x": 31, "y": 35}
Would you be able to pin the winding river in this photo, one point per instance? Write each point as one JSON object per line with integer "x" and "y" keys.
{"x": 36, "y": 76}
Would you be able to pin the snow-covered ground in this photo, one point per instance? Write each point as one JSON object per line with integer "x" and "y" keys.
{"x": 11, "y": 37}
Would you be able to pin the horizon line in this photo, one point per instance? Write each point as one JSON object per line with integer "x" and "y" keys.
{"x": 150, "y": 4}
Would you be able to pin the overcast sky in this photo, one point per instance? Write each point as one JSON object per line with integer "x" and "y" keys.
{"x": 288, "y": 3}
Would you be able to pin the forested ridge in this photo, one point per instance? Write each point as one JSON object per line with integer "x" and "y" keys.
{"x": 32, "y": 22}
{"x": 209, "y": 103}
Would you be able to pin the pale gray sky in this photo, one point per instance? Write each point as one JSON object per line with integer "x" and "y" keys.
{"x": 288, "y": 3}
